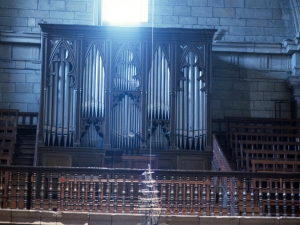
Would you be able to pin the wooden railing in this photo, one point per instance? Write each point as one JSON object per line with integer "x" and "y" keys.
{"x": 181, "y": 192}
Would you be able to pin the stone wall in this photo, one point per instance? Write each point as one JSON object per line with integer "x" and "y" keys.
{"x": 246, "y": 78}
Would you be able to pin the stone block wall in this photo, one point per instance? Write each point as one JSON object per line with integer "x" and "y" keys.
{"x": 249, "y": 85}
{"x": 244, "y": 84}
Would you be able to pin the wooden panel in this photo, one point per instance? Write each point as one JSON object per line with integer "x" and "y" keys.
{"x": 191, "y": 163}
{"x": 50, "y": 159}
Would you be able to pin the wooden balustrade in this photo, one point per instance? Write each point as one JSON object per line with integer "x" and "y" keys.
{"x": 181, "y": 192}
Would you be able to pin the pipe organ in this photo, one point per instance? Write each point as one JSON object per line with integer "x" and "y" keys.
{"x": 125, "y": 87}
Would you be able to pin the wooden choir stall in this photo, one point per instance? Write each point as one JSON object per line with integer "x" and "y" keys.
{"x": 110, "y": 95}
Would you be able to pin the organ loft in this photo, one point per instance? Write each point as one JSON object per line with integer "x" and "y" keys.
{"x": 110, "y": 95}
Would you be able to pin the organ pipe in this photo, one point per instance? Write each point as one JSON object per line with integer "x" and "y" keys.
{"x": 93, "y": 81}
{"x": 126, "y": 124}
{"x": 191, "y": 106}
{"x": 60, "y": 98}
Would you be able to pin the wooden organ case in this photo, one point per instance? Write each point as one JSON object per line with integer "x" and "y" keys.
{"x": 111, "y": 90}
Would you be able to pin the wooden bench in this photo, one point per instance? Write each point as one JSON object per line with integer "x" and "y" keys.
{"x": 270, "y": 155}
{"x": 272, "y": 130}
{"x": 275, "y": 165}
{"x": 263, "y": 146}
{"x": 275, "y": 137}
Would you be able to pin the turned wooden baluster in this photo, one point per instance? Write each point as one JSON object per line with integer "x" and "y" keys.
{"x": 18, "y": 190}
{"x": 99, "y": 204}
{"x": 115, "y": 193}
{"x": 131, "y": 194}
{"x": 299, "y": 193}
{"x": 91, "y": 192}
{"x": 33, "y": 196}
{"x": 42, "y": 191}
{"x": 82, "y": 192}
{"x": 244, "y": 197}
{"x": 196, "y": 205}
{"x": 25, "y": 190}
{"x": 124, "y": 193}
{"x": 75, "y": 193}
{"x": 212, "y": 196}
{"x": 284, "y": 197}
{"x": 292, "y": 198}
{"x": 276, "y": 198}
{"x": 50, "y": 189}
{"x": 107, "y": 193}
{"x": 220, "y": 197}
{"x": 204, "y": 196}
{"x": 172, "y": 196}
{"x": 67, "y": 192}
{"x": 268, "y": 197}
{"x": 252, "y": 196}
{"x": 188, "y": 196}
{"x": 180, "y": 196}
{"x": 58, "y": 192}
{"x": 228, "y": 198}
{"x": 164, "y": 196}
{"x": 236, "y": 208}
{"x": 139, "y": 194}
{"x": 9, "y": 190}
{"x": 260, "y": 198}
{"x": 1, "y": 188}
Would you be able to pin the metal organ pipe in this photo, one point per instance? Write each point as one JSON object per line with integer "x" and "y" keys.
{"x": 60, "y": 98}
{"x": 126, "y": 125}
{"x": 191, "y": 106}
{"x": 92, "y": 105}
{"x": 159, "y": 96}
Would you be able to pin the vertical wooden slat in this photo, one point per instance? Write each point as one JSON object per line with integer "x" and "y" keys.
{"x": 139, "y": 193}
{"x": 244, "y": 197}
{"x": 91, "y": 192}
{"x": 236, "y": 200}
{"x": 204, "y": 196}
{"x": 107, "y": 194}
{"x": 292, "y": 198}
{"x": 268, "y": 197}
{"x": 172, "y": 193}
{"x": 123, "y": 194}
{"x": 228, "y": 195}
{"x": 50, "y": 189}
{"x": 164, "y": 196}
{"x": 66, "y": 193}
{"x": 180, "y": 193}
{"x": 42, "y": 191}
{"x": 252, "y": 196}
{"x": 25, "y": 190}
{"x": 196, "y": 205}
{"x": 260, "y": 197}
{"x": 115, "y": 194}
{"x": 9, "y": 190}
{"x": 284, "y": 197}
{"x": 33, "y": 195}
{"x": 82, "y": 193}
{"x": 131, "y": 192}
{"x": 1, "y": 188}
{"x": 220, "y": 197}
{"x": 99, "y": 203}
{"x": 276, "y": 198}
{"x": 17, "y": 190}
{"x": 212, "y": 197}
{"x": 75, "y": 193}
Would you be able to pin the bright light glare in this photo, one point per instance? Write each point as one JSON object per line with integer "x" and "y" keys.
{"x": 124, "y": 11}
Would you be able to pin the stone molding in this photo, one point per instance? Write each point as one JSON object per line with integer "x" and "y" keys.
{"x": 22, "y": 38}
{"x": 286, "y": 47}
